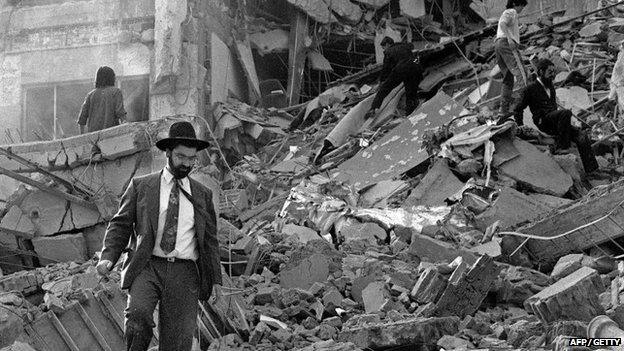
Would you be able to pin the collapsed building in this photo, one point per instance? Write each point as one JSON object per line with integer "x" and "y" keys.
{"x": 439, "y": 229}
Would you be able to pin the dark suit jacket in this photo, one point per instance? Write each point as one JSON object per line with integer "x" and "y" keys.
{"x": 534, "y": 96}
{"x": 135, "y": 224}
{"x": 395, "y": 54}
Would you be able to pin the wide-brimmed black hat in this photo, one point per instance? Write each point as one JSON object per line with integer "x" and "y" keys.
{"x": 181, "y": 133}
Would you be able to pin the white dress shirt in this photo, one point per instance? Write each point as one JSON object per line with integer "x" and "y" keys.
{"x": 186, "y": 246}
{"x": 545, "y": 88}
{"x": 509, "y": 21}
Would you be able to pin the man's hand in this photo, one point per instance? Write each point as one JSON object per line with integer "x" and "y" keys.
{"x": 104, "y": 267}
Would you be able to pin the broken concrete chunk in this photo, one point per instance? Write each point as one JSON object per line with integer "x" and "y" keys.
{"x": 434, "y": 251}
{"x": 374, "y": 297}
{"x": 400, "y": 149}
{"x": 510, "y": 208}
{"x": 364, "y": 231}
{"x": 574, "y": 297}
{"x": 312, "y": 269}
{"x": 414, "y": 331}
{"x": 438, "y": 184}
{"x": 467, "y": 288}
{"x": 301, "y": 233}
{"x": 449, "y": 342}
{"x": 566, "y": 265}
{"x": 61, "y": 248}
{"x": 429, "y": 287}
{"x": 565, "y": 220}
{"x": 536, "y": 170}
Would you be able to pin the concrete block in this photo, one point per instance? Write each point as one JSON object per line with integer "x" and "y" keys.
{"x": 449, "y": 342}
{"x": 537, "y": 170}
{"x": 17, "y": 220}
{"x": 591, "y": 208}
{"x": 412, "y": 331}
{"x": 10, "y": 327}
{"x": 374, "y": 297}
{"x": 364, "y": 231}
{"x": 60, "y": 248}
{"x": 574, "y": 297}
{"x": 438, "y": 184}
{"x": 429, "y": 286}
{"x": 300, "y": 233}
{"x": 467, "y": 288}
{"x": 51, "y": 214}
{"x": 434, "y": 251}
{"x": 315, "y": 268}
{"x": 510, "y": 208}
{"x": 566, "y": 265}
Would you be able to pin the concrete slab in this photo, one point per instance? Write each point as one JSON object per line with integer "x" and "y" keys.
{"x": 512, "y": 207}
{"x": 429, "y": 287}
{"x": 301, "y": 233}
{"x": 374, "y": 297}
{"x": 436, "y": 251}
{"x": 574, "y": 297}
{"x": 438, "y": 184}
{"x": 377, "y": 195}
{"x": 312, "y": 269}
{"x": 549, "y": 200}
{"x": 412, "y": 331}
{"x": 591, "y": 221}
{"x": 364, "y": 231}
{"x": 467, "y": 288}
{"x": 566, "y": 265}
{"x": 60, "y": 248}
{"x": 400, "y": 149}
{"x": 537, "y": 170}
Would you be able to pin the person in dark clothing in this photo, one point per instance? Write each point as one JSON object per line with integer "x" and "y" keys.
{"x": 399, "y": 66}
{"x": 103, "y": 107}
{"x": 540, "y": 97}
{"x": 167, "y": 225}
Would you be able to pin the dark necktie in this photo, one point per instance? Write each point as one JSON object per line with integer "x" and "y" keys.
{"x": 168, "y": 241}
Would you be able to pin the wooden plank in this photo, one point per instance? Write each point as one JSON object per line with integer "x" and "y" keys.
{"x": 109, "y": 329}
{"x": 111, "y": 311}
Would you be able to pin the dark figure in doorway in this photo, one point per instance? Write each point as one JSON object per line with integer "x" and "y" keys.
{"x": 103, "y": 107}
{"x": 540, "y": 97}
{"x": 167, "y": 224}
{"x": 399, "y": 66}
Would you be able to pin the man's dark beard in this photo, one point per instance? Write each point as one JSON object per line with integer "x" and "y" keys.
{"x": 180, "y": 171}
{"x": 547, "y": 82}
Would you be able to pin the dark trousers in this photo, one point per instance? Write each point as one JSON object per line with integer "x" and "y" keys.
{"x": 410, "y": 74}
{"x": 176, "y": 286}
{"x": 557, "y": 123}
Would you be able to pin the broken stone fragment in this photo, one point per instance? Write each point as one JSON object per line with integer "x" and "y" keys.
{"x": 411, "y": 331}
{"x": 429, "y": 286}
{"x": 449, "y": 342}
{"x": 374, "y": 297}
{"x": 574, "y": 297}
{"x": 566, "y": 265}
{"x": 60, "y": 248}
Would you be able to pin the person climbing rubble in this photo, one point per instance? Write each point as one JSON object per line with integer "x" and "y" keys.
{"x": 507, "y": 54}
{"x": 540, "y": 97}
{"x": 400, "y": 65}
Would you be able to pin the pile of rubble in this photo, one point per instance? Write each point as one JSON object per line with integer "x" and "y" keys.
{"x": 437, "y": 230}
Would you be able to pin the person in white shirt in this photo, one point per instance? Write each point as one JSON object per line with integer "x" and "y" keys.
{"x": 506, "y": 47}
{"x": 167, "y": 225}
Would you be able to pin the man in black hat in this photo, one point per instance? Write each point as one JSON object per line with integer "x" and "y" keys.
{"x": 167, "y": 225}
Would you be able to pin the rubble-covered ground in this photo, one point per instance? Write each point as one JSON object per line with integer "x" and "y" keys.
{"x": 437, "y": 230}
